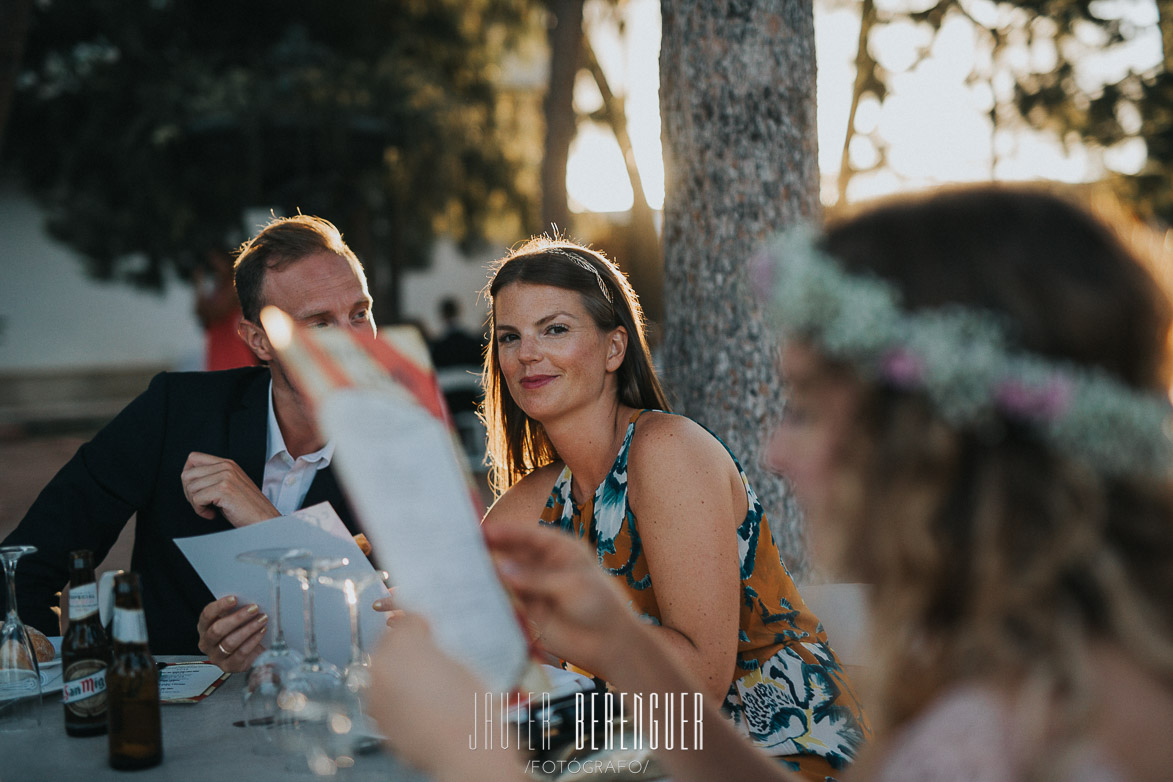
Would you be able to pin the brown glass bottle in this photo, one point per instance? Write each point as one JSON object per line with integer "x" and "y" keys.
{"x": 132, "y": 684}
{"x": 85, "y": 652}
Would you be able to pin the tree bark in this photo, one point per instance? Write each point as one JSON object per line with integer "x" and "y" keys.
{"x": 14, "y": 25}
{"x": 565, "y": 45}
{"x": 737, "y": 103}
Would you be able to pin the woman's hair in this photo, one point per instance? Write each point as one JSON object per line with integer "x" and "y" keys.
{"x": 990, "y": 552}
{"x": 518, "y": 444}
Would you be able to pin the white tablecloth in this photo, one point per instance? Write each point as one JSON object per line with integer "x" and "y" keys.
{"x": 199, "y": 743}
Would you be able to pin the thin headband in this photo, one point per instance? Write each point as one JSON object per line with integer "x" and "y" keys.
{"x": 577, "y": 259}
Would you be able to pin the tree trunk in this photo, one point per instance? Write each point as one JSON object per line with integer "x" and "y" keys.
{"x": 737, "y": 102}
{"x": 565, "y": 44}
{"x": 14, "y": 25}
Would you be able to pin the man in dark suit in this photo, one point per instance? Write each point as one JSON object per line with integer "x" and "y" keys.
{"x": 202, "y": 452}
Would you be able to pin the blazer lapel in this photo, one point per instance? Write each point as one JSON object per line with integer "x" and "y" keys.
{"x": 248, "y": 427}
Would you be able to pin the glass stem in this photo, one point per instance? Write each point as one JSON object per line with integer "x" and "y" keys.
{"x": 10, "y": 578}
{"x": 311, "y": 640}
{"x": 356, "y": 652}
{"x": 275, "y": 587}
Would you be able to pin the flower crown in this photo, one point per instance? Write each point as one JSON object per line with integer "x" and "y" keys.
{"x": 960, "y": 359}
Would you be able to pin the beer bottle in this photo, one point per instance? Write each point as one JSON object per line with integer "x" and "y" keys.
{"x": 85, "y": 653}
{"x": 132, "y": 684}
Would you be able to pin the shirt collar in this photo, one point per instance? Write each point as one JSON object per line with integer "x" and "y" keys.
{"x": 275, "y": 443}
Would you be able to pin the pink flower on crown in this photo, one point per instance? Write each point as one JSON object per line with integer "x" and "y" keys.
{"x": 902, "y": 369}
{"x": 1036, "y": 403}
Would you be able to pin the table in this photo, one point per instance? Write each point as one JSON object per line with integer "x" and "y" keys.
{"x": 199, "y": 743}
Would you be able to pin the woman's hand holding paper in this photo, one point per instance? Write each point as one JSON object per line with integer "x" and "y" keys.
{"x": 566, "y": 598}
{"x": 231, "y": 636}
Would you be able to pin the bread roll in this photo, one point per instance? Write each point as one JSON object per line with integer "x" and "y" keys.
{"x": 42, "y": 646}
{"x": 12, "y": 654}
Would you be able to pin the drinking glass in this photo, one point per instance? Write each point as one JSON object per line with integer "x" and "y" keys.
{"x": 310, "y": 689}
{"x": 350, "y": 729}
{"x": 20, "y": 673}
{"x": 267, "y": 674}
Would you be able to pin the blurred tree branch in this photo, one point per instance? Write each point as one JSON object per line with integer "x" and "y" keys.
{"x": 644, "y": 262}
{"x": 1038, "y": 76}
{"x": 565, "y": 38}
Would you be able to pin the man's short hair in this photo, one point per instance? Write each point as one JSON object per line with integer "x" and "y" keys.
{"x": 283, "y": 241}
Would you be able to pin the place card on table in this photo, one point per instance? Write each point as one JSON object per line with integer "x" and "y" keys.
{"x": 189, "y": 682}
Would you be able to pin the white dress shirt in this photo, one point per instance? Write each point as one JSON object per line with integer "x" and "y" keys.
{"x": 287, "y": 480}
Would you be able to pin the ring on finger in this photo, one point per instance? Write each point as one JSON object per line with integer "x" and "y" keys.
{"x": 226, "y": 653}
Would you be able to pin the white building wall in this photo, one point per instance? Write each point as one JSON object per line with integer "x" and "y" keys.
{"x": 450, "y": 274}
{"x": 56, "y": 317}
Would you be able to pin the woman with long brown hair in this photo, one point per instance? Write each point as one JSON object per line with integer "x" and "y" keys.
{"x": 580, "y": 438}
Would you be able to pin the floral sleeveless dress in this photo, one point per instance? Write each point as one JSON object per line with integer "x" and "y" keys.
{"x": 789, "y": 693}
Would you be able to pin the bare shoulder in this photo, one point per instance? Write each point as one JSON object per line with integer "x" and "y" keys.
{"x": 683, "y": 485}
{"x": 524, "y": 501}
{"x": 666, "y": 444}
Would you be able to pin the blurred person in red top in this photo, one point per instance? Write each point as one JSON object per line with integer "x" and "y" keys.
{"x": 219, "y": 312}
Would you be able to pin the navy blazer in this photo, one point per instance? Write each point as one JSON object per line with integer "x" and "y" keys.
{"x": 133, "y": 466}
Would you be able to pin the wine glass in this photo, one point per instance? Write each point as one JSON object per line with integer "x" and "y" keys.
{"x": 267, "y": 674}
{"x": 20, "y": 673}
{"x": 349, "y": 726}
{"x": 313, "y": 685}
{"x": 352, "y": 589}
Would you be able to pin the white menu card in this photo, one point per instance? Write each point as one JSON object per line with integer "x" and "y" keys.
{"x": 397, "y": 460}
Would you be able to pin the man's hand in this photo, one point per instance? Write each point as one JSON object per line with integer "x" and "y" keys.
{"x": 212, "y": 483}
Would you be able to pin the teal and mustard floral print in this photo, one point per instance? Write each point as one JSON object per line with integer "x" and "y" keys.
{"x": 789, "y": 694}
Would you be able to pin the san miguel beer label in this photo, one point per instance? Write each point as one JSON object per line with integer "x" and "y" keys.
{"x": 84, "y": 690}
